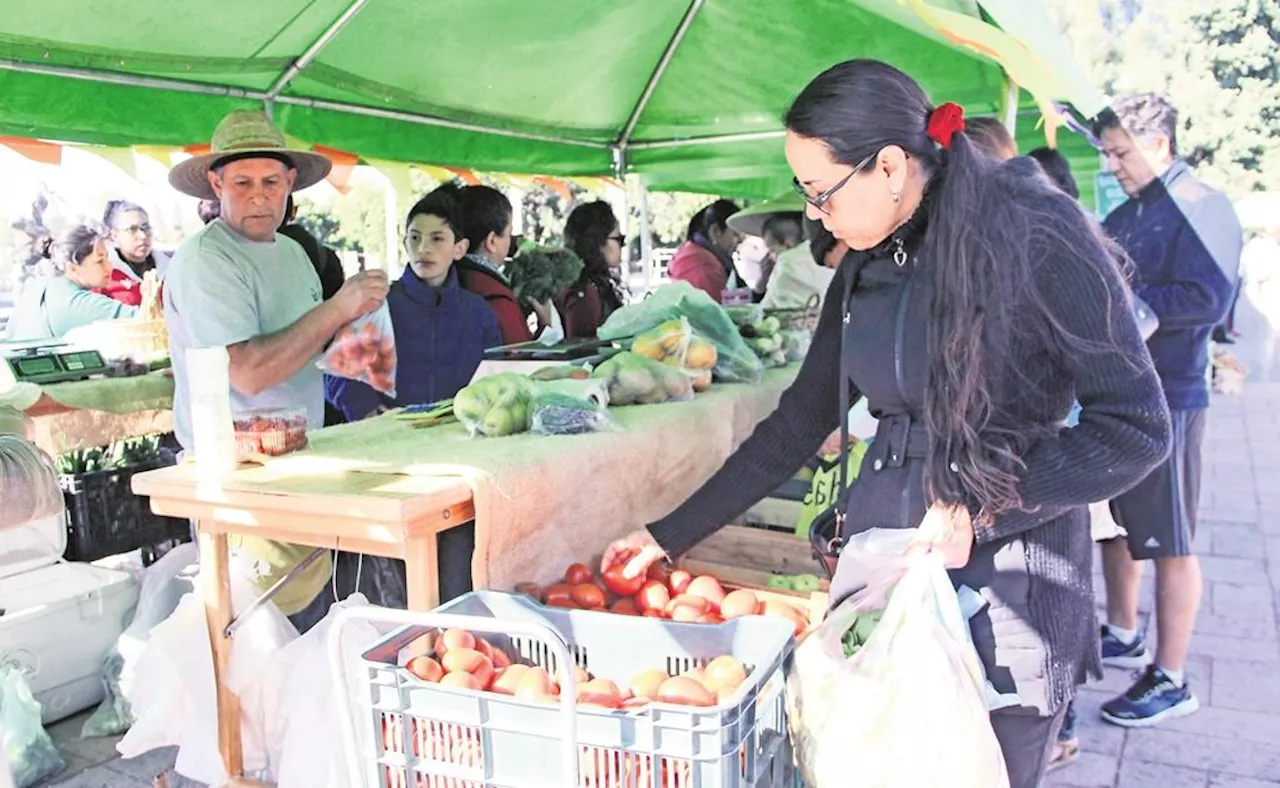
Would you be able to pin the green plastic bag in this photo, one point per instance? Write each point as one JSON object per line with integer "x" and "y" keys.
{"x": 825, "y": 486}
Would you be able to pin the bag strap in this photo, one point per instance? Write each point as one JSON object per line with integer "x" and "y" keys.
{"x": 846, "y": 377}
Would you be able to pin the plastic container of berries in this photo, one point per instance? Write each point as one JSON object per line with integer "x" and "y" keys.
{"x": 270, "y": 433}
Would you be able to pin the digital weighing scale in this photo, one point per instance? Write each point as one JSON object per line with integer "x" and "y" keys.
{"x": 43, "y": 361}
{"x": 569, "y": 350}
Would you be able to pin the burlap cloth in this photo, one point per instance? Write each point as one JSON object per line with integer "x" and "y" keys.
{"x": 105, "y": 410}
{"x": 544, "y": 502}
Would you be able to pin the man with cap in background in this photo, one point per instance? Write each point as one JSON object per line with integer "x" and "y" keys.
{"x": 238, "y": 284}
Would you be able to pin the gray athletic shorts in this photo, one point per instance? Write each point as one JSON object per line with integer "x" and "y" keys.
{"x": 1159, "y": 514}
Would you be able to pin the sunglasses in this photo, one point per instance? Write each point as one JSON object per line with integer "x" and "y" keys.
{"x": 821, "y": 199}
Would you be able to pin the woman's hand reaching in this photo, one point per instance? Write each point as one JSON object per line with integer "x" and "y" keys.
{"x": 638, "y": 549}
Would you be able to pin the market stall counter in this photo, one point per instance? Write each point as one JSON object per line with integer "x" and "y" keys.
{"x": 384, "y": 487}
{"x": 99, "y": 411}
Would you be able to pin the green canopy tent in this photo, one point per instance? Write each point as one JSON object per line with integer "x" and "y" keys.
{"x": 687, "y": 93}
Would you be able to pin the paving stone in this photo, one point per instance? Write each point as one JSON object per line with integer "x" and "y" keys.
{"x": 1248, "y": 686}
{"x": 1198, "y": 752}
{"x": 1236, "y": 648}
{"x": 1240, "y": 571}
{"x": 1227, "y": 599}
{"x": 148, "y": 765}
{"x": 1231, "y": 781}
{"x": 1259, "y": 624}
{"x": 1091, "y": 770}
{"x": 1137, "y": 774}
{"x": 1238, "y": 541}
{"x": 100, "y": 777}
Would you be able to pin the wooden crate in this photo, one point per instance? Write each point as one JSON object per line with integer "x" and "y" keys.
{"x": 745, "y": 557}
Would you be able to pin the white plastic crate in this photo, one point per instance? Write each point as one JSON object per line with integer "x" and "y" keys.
{"x": 421, "y": 735}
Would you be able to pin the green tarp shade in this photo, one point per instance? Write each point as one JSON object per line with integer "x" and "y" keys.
{"x": 565, "y": 74}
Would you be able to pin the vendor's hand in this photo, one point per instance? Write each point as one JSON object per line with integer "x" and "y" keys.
{"x": 643, "y": 550}
{"x": 361, "y": 294}
{"x": 948, "y": 530}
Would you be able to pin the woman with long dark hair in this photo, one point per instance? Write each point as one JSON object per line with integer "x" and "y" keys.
{"x": 591, "y": 232}
{"x": 975, "y": 302}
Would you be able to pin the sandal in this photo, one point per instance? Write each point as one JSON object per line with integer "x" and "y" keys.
{"x": 1065, "y": 753}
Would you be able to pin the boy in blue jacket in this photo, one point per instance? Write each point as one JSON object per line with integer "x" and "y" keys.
{"x": 441, "y": 330}
{"x": 1185, "y": 240}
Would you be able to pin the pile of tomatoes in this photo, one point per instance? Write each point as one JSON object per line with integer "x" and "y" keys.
{"x": 667, "y": 593}
{"x": 460, "y": 659}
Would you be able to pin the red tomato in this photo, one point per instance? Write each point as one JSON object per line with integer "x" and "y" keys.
{"x": 588, "y": 595}
{"x": 654, "y": 613}
{"x": 577, "y": 574}
{"x": 737, "y": 604}
{"x": 625, "y": 606}
{"x": 507, "y": 680}
{"x": 685, "y": 692}
{"x": 660, "y": 571}
{"x": 646, "y": 683}
{"x": 600, "y": 692}
{"x": 566, "y": 603}
{"x": 471, "y": 661}
{"x": 531, "y": 589}
{"x": 557, "y": 591}
{"x": 679, "y": 581}
{"x": 709, "y": 589}
{"x": 685, "y": 614}
{"x": 653, "y": 595}
{"x": 620, "y": 585}
{"x": 461, "y": 680}
{"x": 425, "y": 668}
{"x": 783, "y": 610}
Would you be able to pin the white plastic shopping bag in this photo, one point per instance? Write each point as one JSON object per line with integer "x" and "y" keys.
{"x": 909, "y": 708}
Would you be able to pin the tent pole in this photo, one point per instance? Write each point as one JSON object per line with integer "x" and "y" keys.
{"x": 750, "y": 136}
{"x": 1009, "y": 105}
{"x": 129, "y": 80}
{"x": 646, "y": 236}
{"x": 320, "y": 43}
{"x": 625, "y": 137}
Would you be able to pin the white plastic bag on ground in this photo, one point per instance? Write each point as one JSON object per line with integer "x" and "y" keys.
{"x": 164, "y": 584}
{"x": 910, "y": 708}
{"x": 307, "y": 750}
{"x": 176, "y": 703}
{"x": 29, "y": 755}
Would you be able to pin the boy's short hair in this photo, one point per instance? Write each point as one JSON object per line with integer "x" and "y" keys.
{"x": 442, "y": 204}
{"x": 1142, "y": 115}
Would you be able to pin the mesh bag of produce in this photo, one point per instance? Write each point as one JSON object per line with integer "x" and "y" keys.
{"x": 892, "y": 673}
{"x": 28, "y": 483}
{"x": 365, "y": 350}
{"x": 735, "y": 362}
{"x": 571, "y": 407}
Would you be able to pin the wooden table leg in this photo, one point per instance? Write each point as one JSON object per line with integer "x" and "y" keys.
{"x": 421, "y": 564}
{"x": 216, "y": 587}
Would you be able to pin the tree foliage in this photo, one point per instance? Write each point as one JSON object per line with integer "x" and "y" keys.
{"x": 1218, "y": 61}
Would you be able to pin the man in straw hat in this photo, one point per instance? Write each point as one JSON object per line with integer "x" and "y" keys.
{"x": 240, "y": 285}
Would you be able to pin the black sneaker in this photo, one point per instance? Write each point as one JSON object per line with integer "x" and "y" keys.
{"x": 1153, "y": 699}
{"x": 1118, "y": 654}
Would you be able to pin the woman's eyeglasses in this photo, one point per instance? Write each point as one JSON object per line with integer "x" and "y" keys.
{"x": 621, "y": 239}
{"x": 136, "y": 229}
{"x": 820, "y": 200}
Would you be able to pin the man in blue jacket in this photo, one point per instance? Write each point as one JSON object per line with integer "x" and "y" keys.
{"x": 1185, "y": 240}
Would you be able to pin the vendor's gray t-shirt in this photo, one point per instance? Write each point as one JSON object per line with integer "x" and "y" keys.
{"x": 222, "y": 289}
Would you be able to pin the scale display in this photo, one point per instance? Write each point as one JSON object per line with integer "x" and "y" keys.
{"x": 43, "y": 366}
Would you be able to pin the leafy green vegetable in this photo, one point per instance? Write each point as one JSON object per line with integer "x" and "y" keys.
{"x": 539, "y": 273}
{"x": 126, "y": 453}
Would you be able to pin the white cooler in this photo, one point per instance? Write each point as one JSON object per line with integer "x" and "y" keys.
{"x": 58, "y": 620}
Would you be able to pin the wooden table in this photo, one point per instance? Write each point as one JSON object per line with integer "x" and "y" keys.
{"x": 373, "y": 513}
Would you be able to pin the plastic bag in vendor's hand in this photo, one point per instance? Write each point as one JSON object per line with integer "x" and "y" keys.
{"x": 29, "y": 754}
{"x": 909, "y": 708}
{"x": 735, "y": 362}
{"x": 635, "y": 380}
{"x": 495, "y": 406}
{"x": 365, "y": 351}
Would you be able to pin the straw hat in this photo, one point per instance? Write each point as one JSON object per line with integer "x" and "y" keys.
{"x": 246, "y": 132}
{"x": 750, "y": 221}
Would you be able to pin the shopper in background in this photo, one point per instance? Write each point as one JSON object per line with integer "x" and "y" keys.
{"x": 132, "y": 251}
{"x": 323, "y": 259}
{"x": 52, "y": 305}
{"x": 592, "y": 233}
{"x": 1058, "y": 170}
{"x": 486, "y": 227}
{"x": 705, "y": 259}
{"x": 208, "y": 210}
{"x": 781, "y": 232}
{"x": 976, "y": 302}
{"x": 1184, "y": 240}
{"x": 991, "y": 138}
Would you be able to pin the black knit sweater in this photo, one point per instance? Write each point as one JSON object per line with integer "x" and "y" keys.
{"x": 1033, "y": 564}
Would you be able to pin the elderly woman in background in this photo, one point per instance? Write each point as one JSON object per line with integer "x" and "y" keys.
{"x": 51, "y": 306}
{"x": 131, "y": 251}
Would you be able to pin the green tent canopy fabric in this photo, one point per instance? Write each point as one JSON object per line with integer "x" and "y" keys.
{"x": 688, "y": 93}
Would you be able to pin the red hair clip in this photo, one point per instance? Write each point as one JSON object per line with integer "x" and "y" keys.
{"x": 946, "y": 121}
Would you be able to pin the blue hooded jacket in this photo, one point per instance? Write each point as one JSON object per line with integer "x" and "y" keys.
{"x": 441, "y": 335}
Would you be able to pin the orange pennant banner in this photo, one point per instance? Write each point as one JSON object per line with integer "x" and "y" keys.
{"x": 36, "y": 150}
{"x": 467, "y": 176}
{"x": 556, "y": 185}
{"x": 344, "y": 164}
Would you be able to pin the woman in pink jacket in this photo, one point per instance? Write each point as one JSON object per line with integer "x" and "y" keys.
{"x": 705, "y": 259}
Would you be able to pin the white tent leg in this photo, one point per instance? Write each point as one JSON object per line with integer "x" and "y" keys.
{"x": 646, "y": 237}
